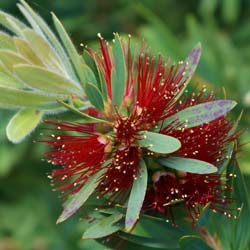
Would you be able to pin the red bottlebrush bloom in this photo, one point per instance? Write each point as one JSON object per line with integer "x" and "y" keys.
{"x": 191, "y": 191}
{"x": 139, "y": 117}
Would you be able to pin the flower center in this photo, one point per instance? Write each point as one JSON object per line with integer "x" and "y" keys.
{"x": 126, "y": 130}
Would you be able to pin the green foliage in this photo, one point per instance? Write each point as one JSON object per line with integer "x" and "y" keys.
{"x": 188, "y": 165}
{"x": 159, "y": 143}
{"x": 223, "y": 29}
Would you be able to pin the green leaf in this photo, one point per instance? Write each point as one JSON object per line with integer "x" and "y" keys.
{"x": 51, "y": 38}
{"x": 77, "y": 200}
{"x": 44, "y": 51}
{"x": 22, "y": 124}
{"x": 118, "y": 79}
{"x": 202, "y": 113}
{"x": 10, "y": 97}
{"x": 149, "y": 242}
{"x": 11, "y": 23}
{"x": 159, "y": 143}
{"x": 45, "y": 80}
{"x": 94, "y": 95}
{"x": 90, "y": 119}
{"x": 25, "y": 50}
{"x": 77, "y": 60}
{"x": 10, "y": 58}
{"x": 136, "y": 197}
{"x": 8, "y": 79}
{"x": 188, "y": 165}
{"x": 188, "y": 68}
{"x": 104, "y": 227}
{"x": 6, "y": 42}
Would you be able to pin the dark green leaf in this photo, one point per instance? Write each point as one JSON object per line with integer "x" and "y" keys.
{"x": 159, "y": 143}
{"x": 136, "y": 197}
{"x": 94, "y": 95}
{"x": 104, "y": 227}
{"x": 150, "y": 242}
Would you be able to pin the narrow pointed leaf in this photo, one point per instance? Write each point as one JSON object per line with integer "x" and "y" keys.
{"x": 90, "y": 119}
{"x": 104, "y": 227}
{"x": 22, "y": 124}
{"x": 26, "y": 51}
{"x": 8, "y": 79}
{"x": 188, "y": 165}
{"x": 136, "y": 197}
{"x": 188, "y": 68}
{"x": 10, "y": 97}
{"x": 11, "y": 23}
{"x": 6, "y": 42}
{"x": 119, "y": 73}
{"x": 201, "y": 113}
{"x": 77, "y": 60}
{"x": 94, "y": 95}
{"x": 43, "y": 50}
{"x": 159, "y": 143}
{"x": 45, "y": 80}
{"x": 190, "y": 64}
{"x": 51, "y": 38}
{"x": 10, "y": 58}
{"x": 77, "y": 200}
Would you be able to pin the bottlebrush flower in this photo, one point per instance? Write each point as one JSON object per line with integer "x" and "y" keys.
{"x": 142, "y": 122}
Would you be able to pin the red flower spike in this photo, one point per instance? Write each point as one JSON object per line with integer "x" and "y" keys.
{"x": 152, "y": 93}
{"x": 191, "y": 191}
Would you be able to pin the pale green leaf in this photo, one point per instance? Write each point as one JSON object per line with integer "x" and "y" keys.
{"x": 188, "y": 165}
{"x": 10, "y": 58}
{"x": 201, "y": 113}
{"x": 10, "y": 97}
{"x": 104, "y": 227}
{"x": 77, "y": 200}
{"x": 22, "y": 124}
{"x": 159, "y": 143}
{"x": 45, "y": 80}
{"x": 8, "y": 79}
{"x": 11, "y": 23}
{"x": 44, "y": 51}
{"x": 26, "y": 51}
{"x": 6, "y": 42}
{"x": 50, "y": 37}
{"x": 137, "y": 196}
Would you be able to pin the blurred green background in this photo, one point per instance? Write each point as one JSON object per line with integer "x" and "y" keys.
{"x": 28, "y": 207}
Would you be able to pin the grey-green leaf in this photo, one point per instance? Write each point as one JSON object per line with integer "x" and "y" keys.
{"x": 23, "y": 123}
{"x": 45, "y": 80}
{"x": 137, "y": 196}
{"x": 159, "y": 143}
{"x": 104, "y": 227}
{"x": 76, "y": 59}
{"x": 119, "y": 73}
{"x": 188, "y": 165}
{"x": 94, "y": 95}
{"x": 77, "y": 200}
{"x": 10, "y": 97}
{"x": 202, "y": 113}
